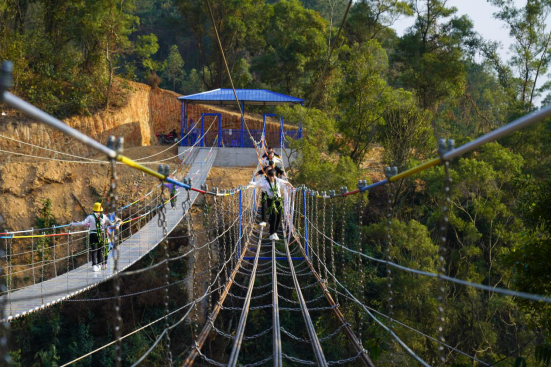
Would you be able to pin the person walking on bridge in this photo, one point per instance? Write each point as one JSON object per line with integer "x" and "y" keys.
{"x": 271, "y": 166}
{"x": 271, "y": 156}
{"x": 97, "y": 224}
{"x": 270, "y": 151}
{"x": 270, "y": 187}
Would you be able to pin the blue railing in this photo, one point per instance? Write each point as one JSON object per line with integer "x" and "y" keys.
{"x": 232, "y": 138}
{"x": 217, "y": 136}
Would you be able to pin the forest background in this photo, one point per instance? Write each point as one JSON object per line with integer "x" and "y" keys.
{"x": 440, "y": 79}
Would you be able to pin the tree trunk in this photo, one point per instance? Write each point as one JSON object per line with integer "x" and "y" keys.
{"x": 109, "y": 83}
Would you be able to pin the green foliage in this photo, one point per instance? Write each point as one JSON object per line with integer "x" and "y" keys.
{"x": 45, "y": 217}
{"x": 371, "y": 20}
{"x": 429, "y": 57}
{"x": 292, "y": 55}
{"x": 531, "y": 49}
{"x": 314, "y": 165}
{"x": 405, "y": 132}
{"x": 145, "y": 47}
{"x": 364, "y": 95}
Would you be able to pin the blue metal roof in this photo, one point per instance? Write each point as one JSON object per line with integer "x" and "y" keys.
{"x": 225, "y": 96}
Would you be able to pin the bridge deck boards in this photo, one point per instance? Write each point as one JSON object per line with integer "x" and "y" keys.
{"x": 33, "y": 297}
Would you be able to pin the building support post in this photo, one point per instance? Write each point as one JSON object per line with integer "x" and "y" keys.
{"x": 264, "y": 133}
{"x": 181, "y": 122}
{"x": 202, "y": 130}
{"x": 220, "y": 131}
{"x": 242, "y": 123}
{"x": 281, "y": 135}
{"x": 186, "y": 118}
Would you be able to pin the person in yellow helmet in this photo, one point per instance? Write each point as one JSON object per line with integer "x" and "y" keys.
{"x": 97, "y": 223}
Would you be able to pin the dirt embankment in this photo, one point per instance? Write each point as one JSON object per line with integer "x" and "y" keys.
{"x": 25, "y": 185}
{"x": 141, "y": 113}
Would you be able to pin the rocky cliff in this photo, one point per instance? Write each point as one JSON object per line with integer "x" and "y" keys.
{"x": 142, "y": 113}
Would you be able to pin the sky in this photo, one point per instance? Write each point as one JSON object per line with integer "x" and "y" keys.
{"x": 481, "y": 13}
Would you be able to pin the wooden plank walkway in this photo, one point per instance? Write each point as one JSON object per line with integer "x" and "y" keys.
{"x": 45, "y": 294}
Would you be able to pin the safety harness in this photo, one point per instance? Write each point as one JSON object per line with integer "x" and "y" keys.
{"x": 101, "y": 236}
{"x": 277, "y": 203}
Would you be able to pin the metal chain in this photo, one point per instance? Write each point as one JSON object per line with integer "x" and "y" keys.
{"x": 306, "y": 301}
{"x": 112, "y": 197}
{"x": 212, "y": 362}
{"x": 260, "y": 307}
{"x": 247, "y": 287}
{"x": 441, "y": 270}
{"x": 233, "y": 243}
{"x": 316, "y": 222}
{"x": 253, "y": 337}
{"x": 330, "y": 307}
{"x": 297, "y": 360}
{"x": 360, "y": 266}
{"x": 327, "y": 337}
{"x": 298, "y": 309}
{"x": 323, "y": 237}
{"x": 222, "y": 333}
{"x": 389, "y": 278}
{"x": 343, "y": 272}
{"x": 191, "y": 239}
{"x": 260, "y": 362}
{"x": 217, "y": 235}
{"x": 346, "y": 360}
{"x": 298, "y": 218}
{"x": 310, "y": 222}
{"x": 293, "y": 288}
{"x": 332, "y": 253}
{"x": 224, "y": 246}
{"x": 252, "y": 298}
{"x": 300, "y": 339}
{"x": 207, "y": 223}
{"x": 163, "y": 222}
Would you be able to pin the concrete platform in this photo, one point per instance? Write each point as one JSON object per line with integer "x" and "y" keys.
{"x": 234, "y": 156}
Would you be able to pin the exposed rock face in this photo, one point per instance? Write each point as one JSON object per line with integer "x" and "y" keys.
{"x": 144, "y": 113}
{"x": 132, "y": 121}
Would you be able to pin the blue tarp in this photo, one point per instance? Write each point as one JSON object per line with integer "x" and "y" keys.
{"x": 225, "y": 96}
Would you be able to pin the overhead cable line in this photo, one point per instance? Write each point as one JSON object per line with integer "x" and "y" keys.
{"x": 319, "y": 80}
{"x": 173, "y": 145}
{"x": 54, "y": 151}
{"x": 33, "y": 111}
{"x": 231, "y": 81}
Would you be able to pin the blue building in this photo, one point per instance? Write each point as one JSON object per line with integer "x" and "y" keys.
{"x": 233, "y": 136}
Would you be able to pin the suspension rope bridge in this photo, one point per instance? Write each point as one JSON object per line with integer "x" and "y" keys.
{"x": 250, "y": 273}
{"x": 77, "y": 280}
